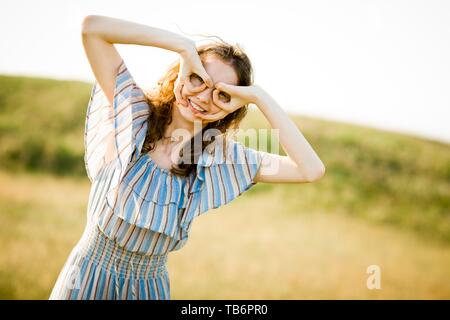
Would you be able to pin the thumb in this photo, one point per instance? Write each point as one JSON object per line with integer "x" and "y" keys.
{"x": 225, "y": 87}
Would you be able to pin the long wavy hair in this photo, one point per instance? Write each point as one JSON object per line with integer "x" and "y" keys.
{"x": 162, "y": 99}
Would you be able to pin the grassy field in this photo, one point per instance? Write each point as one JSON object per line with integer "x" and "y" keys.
{"x": 252, "y": 248}
{"x": 384, "y": 201}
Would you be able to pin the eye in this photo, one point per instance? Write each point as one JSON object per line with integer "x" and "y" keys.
{"x": 224, "y": 97}
{"x": 195, "y": 79}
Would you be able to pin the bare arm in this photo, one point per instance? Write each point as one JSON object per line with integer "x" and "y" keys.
{"x": 99, "y": 33}
{"x": 302, "y": 164}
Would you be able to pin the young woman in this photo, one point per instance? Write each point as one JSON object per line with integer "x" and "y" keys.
{"x": 148, "y": 184}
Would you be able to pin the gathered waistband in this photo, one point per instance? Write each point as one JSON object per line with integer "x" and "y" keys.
{"x": 112, "y": 257}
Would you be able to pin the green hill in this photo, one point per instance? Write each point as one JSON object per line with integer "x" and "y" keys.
{"x": 378, "y": 175}
{"x": 40, "y": 124}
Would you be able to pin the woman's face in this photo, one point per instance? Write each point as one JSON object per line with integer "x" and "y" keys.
{"x": 218, "y": 72}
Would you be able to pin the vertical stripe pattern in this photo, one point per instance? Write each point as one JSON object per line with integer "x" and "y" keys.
{"x": 100, "y": 269}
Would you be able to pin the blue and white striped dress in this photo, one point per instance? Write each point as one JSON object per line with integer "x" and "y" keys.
{"x": 139, "y": 212}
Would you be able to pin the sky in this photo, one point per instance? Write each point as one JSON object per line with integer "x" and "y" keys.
{"x": 383, "y": 64}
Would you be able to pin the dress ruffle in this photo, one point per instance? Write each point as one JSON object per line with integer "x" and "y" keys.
{"x": 150, "y": 197}
{"x": 221, "y": 177}
{"x": 153, "y": 198}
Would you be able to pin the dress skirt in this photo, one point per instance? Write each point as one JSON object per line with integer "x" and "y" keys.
{"x": 97, "y": 268}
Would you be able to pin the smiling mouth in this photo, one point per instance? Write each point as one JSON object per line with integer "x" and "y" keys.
{"x": 196, "y": 107}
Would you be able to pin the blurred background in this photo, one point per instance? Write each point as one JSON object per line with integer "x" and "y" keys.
{"x": 367, "y": 83}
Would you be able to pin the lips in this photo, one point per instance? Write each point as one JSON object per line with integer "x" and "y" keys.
{"x": 193, "y": 109}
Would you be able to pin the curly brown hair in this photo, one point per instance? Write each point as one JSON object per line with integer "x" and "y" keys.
{"x": 162, "y": 99}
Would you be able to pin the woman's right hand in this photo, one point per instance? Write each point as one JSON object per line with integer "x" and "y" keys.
{"x": 190, "y": 63}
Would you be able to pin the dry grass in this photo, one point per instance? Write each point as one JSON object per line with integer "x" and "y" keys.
{"x": 256, "y": 247}
{"x": 254, "y": 250}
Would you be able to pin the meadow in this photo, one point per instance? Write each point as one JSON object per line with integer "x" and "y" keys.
{"x": 384, "y": 201}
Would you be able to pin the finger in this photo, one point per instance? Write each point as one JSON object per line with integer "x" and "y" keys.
{"x": 192, "y": 88}
{"x": 220, "y": 86}
{"x": 176, "y": 90}
{"x": 183, "y": 97}
{"x": 228, "y": 88}
{"x": 196, "y": 89}
{"x": 207, "y": 79}
{"x": 178, "y": 96}
{"x": 219, "y": 103}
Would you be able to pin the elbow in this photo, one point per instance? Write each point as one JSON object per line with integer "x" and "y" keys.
{"x": 317, "y": 174}
{"x": 86, "y": 24}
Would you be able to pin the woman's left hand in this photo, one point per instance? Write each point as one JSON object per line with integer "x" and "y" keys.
{"x": 238, "y": 97}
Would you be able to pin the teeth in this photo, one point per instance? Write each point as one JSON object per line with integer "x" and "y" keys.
{"x": 196, "y": 107}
